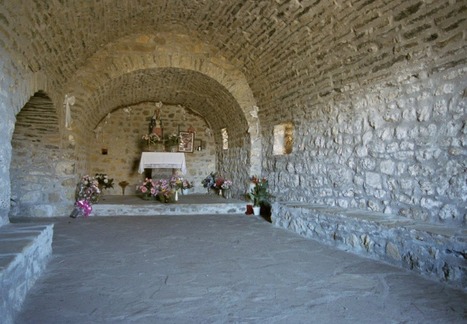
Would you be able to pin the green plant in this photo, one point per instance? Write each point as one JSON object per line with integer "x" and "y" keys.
{"x": 258, "y": 193}
{"x": 171, "y": 140}
{"x": 104, "y": 181}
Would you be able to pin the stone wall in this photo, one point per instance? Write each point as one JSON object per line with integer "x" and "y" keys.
{"x": 121, "y": 135}
{"x": 398, "y": 150}
{"x": 41, "y": 172}
{"x": 380, "y": 122}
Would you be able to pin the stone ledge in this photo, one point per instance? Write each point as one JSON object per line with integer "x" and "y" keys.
{"x": 434, "y": 251}
{"x": 168, "y": 209}
{"x": 24, "y": 251}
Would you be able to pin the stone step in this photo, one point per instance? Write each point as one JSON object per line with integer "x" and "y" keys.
{"x": 24, "y": 251}
{"x": 196, "y": 204}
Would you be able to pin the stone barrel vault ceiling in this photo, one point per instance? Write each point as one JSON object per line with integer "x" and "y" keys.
{"x": 325, "y": 40}
{"x": 60, "y": 37}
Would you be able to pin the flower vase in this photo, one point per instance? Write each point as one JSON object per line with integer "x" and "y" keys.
{"x": 146, "y": 196}
{"x": 256, "y": 210}
{"x": 176, "y": 195}
{"x": 227, "y": 193}
{"x": 220, "y": 192}
{"x": 185, "y": 191}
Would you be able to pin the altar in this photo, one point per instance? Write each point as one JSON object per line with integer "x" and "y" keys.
{"x": 159, "y": 160}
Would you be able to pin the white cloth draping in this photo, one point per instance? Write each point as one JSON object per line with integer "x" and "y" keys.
{"x": 158, "y": 160}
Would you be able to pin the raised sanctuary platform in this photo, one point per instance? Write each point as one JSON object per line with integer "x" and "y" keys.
{"x": 193, "y": 204}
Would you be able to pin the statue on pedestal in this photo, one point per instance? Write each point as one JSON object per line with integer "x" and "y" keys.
{"x": 155, "y": 126}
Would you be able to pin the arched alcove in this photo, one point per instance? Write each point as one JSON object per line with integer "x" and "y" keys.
{"x": 37, "y": 170}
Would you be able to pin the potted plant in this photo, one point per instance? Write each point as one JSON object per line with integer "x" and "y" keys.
{"x": 258, "y": 193}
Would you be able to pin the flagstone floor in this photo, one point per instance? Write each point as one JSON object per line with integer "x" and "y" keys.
{"x": 221, "y": 269}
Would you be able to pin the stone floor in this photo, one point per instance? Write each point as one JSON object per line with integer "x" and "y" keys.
{"x": 221, "y": 269}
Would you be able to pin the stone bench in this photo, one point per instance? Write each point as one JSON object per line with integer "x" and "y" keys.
{"x": 24, "y": 251}
{"x": 435, "y": 251}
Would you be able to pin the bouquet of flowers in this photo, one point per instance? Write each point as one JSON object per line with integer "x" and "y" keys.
{"x": 209, "y": 181}
{"x": 186, "y": 184}
{"x": 87, "y": 189}
{"x": 171, "y": 140}
{"x": 157, "y": 189}
{"x": 164, "y": 191}
{"x": 87, "y": 192}
{"x": 151, "y": 139}
{"x": 147, "y": 188}
{"x": 104, "y": 182}
{"x": 226, "y": 184}
{"x": 176, "y": 182}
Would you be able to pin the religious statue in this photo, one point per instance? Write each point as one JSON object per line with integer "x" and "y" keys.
{"x": 155, "y": 126}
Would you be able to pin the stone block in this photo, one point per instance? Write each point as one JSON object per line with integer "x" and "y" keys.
{"x": 24, "y": 252}
{"x": 435, "y": 252}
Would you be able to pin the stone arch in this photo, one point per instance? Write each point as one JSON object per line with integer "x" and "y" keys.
{"x": 36, "y": 170}
{"x": 165, "y": 50}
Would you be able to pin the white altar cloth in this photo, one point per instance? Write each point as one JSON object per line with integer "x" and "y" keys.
{"x": 157, "y": 160}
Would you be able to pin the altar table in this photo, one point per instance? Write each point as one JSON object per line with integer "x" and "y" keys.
{"x": 158, "y": 160}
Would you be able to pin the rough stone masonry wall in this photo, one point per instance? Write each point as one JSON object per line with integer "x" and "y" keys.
{"x": 40, "y": 170}
{"x": 18, "y": 85}
{"x": 121, "y": 136}
{"x": 430, "y": 250}
{"x": 385, "y": 130}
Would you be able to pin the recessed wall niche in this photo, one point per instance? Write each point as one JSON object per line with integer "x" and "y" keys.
{"x": 283, "y": 138}
{"x": 225, "y": 139}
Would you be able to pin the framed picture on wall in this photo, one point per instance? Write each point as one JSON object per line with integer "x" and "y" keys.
{"x": 186, "y": 143}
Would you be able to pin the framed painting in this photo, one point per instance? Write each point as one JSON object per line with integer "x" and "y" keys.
{"x": 186, "y": 143}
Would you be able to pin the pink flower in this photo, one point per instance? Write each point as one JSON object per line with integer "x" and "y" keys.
{"x": 143, "y": 189}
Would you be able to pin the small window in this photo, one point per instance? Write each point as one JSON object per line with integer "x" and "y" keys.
{"x": 283, "y": 139}
{"x": 225, "y": 139}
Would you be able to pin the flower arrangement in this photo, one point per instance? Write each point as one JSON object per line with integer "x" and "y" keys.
{"x": 218, "y": 181}
{"x": 171, "y": 140}
{"x": 214, "y": 181}
{"x": 226, "y": 184}
{"x": 147, "y": 188}
{"x": 259, "y": 191}
{"x": 209, "y": 181}
{"x": 176, "y": 182}
{"x": 162, "y": 189}
{"x": 186, "y": 184}
{"x": 151, "y": 139}
{"x": 87, "y": 189}
{"x": 104, "y": 182}
{"x": 87, "y": 192}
